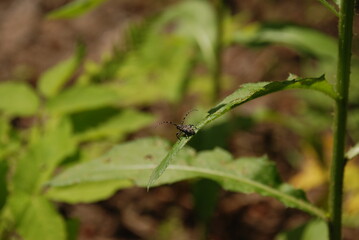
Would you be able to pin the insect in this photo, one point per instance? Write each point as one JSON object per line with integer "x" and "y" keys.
{"x": 185, "y": 130}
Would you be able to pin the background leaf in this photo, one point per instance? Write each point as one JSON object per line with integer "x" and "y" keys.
{"x": 87, "y": 191}
{"x": 53, "y": 79}
{"x": 36, "y": 217}
{"x": 200, "y": 28}
{"x": 75, "y": 9}
{"x": 164, "y": 62}
{"x": 108, "y": 122}
{"x": 43, "y": 156}
{"x": 312, "y": 230}
{"x": 18, "y": 99}
{"x": 305, "y": 40}
{"x": 80, "y": 98}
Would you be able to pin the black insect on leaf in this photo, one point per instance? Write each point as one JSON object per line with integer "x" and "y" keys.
{"x": 185, "y": 130}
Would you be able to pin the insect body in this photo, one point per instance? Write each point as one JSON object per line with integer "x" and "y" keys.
{"x": 184, "y": 129}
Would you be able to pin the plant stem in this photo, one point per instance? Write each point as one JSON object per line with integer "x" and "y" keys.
{"x": 217, "y": 68}
{"x": 340, "y": 117}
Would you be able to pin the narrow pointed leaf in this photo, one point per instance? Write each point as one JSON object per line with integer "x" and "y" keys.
{"x": 244, "y": 94}
{"x": 74, "y": 9}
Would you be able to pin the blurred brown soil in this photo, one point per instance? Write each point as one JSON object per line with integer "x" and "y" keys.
{"x": 29, "y": 44}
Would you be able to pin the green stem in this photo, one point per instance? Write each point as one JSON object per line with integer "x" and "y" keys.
{"x": 340, "y": 117}
{"x": 217, "y": 68}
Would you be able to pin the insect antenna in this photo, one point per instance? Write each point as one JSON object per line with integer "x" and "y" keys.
{"x": 185, "y": 116}
{"x": 167, "y": 122}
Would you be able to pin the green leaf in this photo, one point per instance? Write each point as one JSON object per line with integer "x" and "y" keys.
{"x": 161, "y": 64}
{"x": 155, "y": 58}
{"x": 200, "y": 28}
{"x": 251, "y": 91}
{"x": 87, "y": 192}
{"x": 312, "y": 230}
{"x": 18, "y": 99}
{"x": 135, "y": 37}
{"x": 134, "y": 162}
{"x": 36, "y": 217}
{"x": 74, "y": 9}
{"x": 43, "y": 156}
{"x": 9, "y": 139}
{"x": 80, "y": 98}
{"x": 244, "y": 94}
{"x": 352, "y": 152}
{"x": 337, "y": 2}
{"x": 330, "y": 6}
{"x": 303, "y": 39}
{"x": 52, "y": 80}
{"x": 108, "y": 122}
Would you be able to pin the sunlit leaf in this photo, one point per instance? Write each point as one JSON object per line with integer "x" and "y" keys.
{"x": 337, "y": 2}
{"x": 87, "y": 192}
{"x": 135, "y": 37}
{"x": 244, "y": 94}
{"x": 134, "y": 162}
{"x": 352, "y": 152}
{"x": 201, "y": 28}
{"x": 74, "y": 9}
{"x": 43, "y": 156}
{"x": 312, "y": 230}
{"x": 161, "y": 64}
{"x": 80, "y": 98}
{"x": 36, "y": 218}
{"x": 52, "y": 80}
{"x": 18, "y": 99}
{"x": 158, "y": 60}
{"x": 109, "y": 123}
{"x": 304, "y": 39}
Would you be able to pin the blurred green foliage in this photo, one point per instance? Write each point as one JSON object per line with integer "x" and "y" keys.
{"x": 101, "y": 107}
{"x": 75, "y": 9}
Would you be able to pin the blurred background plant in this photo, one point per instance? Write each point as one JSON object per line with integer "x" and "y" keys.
{"x": 135, "y": 63}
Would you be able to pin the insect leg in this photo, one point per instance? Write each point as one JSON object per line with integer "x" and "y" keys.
{"x": 178, "y": 135}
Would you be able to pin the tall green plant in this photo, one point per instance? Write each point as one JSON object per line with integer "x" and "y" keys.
{"x": 340, "y": 117}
